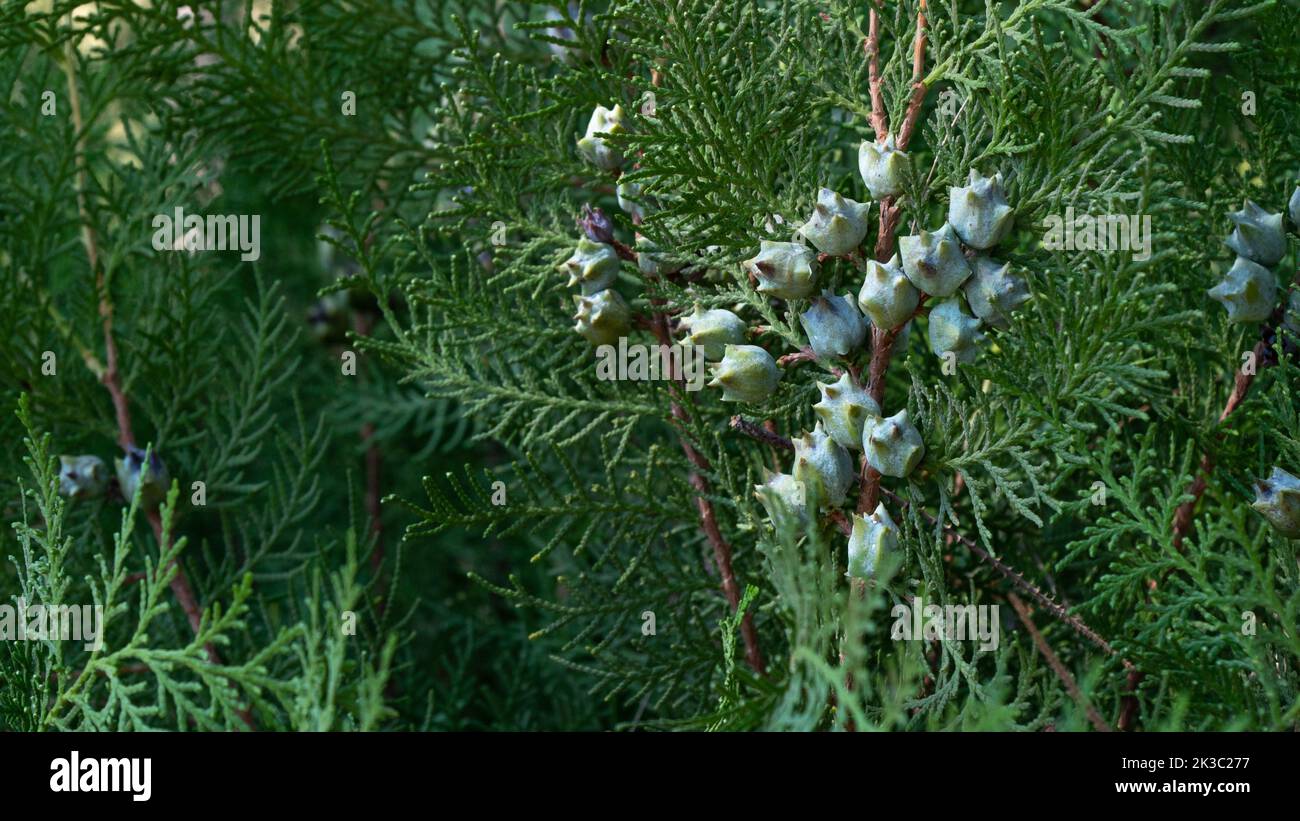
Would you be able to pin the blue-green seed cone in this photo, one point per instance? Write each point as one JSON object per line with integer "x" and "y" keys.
{"x": 874, "y": 536}
{"x": 713, "y": 330}
{"x": 1248, "y": 291}
{"x": 893, "y": 445}
{"x": 747, "y": 373}
{"x": 825, "y": 468}
{"x": 1293, "y": 208}
{"x": 833, "y": 326}
{"x": 785, "y": 270}
{"x": 1277, "y": 498}
{"x": 149, "y": 476}
{"x": 602, "y": 317}
{"x": 594, "y": 146}
{"x": 629, "y": 199}
{"x": 782, "y": 495}
{"x": 82, "y": 477}
{"x": 954, "y": 331}
{"x": 979, "y": 212}
{"x": 994, "y": 292}
{"x": 843, "y": 410}
{"x": 837, "y": 225}
{"x": 883, "y": 167}
{"x": 1258, "y": 235}
{"x": 934, "y": 261}
{"x": 651, "y": 262}
{"x": 593, "y": 265}
{"x": 887, "y": 296}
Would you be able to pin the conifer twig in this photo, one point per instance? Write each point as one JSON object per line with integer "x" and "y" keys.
{"x": 837, "y": 518}
{"x": 874, "y": 82}
{"x": 760, "y": 433}
{"x": 882, "y": 342}
{"x": 1071, "y": 686}
{"x": 708, "y": 518}
{"x": 1012, "y": 575}
{"x": 362, "y": 325}
{"x": 111, "y": 377}
{"x": 1183, "y": 514}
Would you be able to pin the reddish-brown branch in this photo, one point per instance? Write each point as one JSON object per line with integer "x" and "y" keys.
{"x": 879, "y": 122}
{"x": 180, "y": 584}
{"x": 363, "y": 324}
{"x": 1185, "y": 512}
{"x": 805, "y": 355}
{"x": 624, "y": 252}
{"x": 918, "y": 83}
{"x": 1240, "y": 387}
{"x": 1014, "y": 576}
{"x": 882, "y": 342}
{"x": 762, "y": 434}
{"x": 1055, "y": 663}
{"x": 708, "y": 518}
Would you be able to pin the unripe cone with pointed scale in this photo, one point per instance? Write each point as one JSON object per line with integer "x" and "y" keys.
{"x": 82, "y": 477}
{"x": 844, "y": 409}
{"x": 994, "y": 291}
{"x": 782, "y": 494}
{"x": 1278, "y": 499}
{"x": 594, "y": 146}
{"x": 825, "y": 468}
{"x": 833, "y": 325}
{"x": 887, "y": 295}
{"x": 934, "y": 261}
{"x": 149, "y": 476}
{"x": 602, "y": 318}
{"x": 784, "y": 270}
{"x": 1248, "y": 291}
{"x": 1258, "y": 236}
{"x": 1291, "y": 317}
{"x": 874, "y": 536}
{"x": 595, "y": 224}
{"x": 651, "y": 263}
{"x": 883, "y": 167}
{"x": 952, "y": 330}
{"x": 893, "y": 445}
{"x": 837, "y": 225}
{"x": 979, "y": 213}
{"x": 594, "y": 265}
{"x": 747, "y": 373}
{"x": 713, "y": 330}
{"x": 629, "y": 199}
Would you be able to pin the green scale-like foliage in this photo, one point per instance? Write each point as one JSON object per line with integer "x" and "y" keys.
{"x": 535, "y": 513}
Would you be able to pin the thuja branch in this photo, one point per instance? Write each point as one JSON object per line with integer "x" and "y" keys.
{"x": 872, "y": 47}
{"x": 1014, "y": 576}
{"x": 840, "y": 521}
{"x": 1185, "y": 512}
{"x": 111, "y": 374}
{"x": 708, "y": 517}
{"x": 882, "y": 341}
{"x": 1071, "y": 686}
